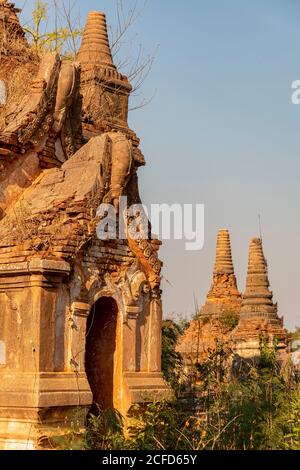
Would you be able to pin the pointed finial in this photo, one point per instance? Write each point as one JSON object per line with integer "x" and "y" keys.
{"x": 223, "y": 264}
{"x": 95, "y": 49}
{"x": 257, "y": 262}
{"x": 224, "y": 285}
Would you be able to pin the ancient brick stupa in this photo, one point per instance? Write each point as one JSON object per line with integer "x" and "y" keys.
{"x": 220, "y": 312}
{"x": 80, "y": 315}
{"x": 258, "y": 312}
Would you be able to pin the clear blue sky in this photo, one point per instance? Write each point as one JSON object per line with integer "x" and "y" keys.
{"x": 222, "y": 131}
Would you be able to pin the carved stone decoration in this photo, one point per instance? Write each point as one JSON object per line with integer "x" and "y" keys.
{"x": 135, "y": 284}
{"x": 146, "y": 251}
{"x": 80, "y": 317}
{"x": 121, "y": 166}
{"x": 67, "y": 124}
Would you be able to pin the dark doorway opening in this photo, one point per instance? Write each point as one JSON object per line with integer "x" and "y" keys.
{"x": 100, "y": 350}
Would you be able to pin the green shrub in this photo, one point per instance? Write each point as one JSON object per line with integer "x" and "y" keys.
{"x": 105, "y": 431}
{"x": 171, "y": 359}
{"x": 258, "y": 409}
{"x": 229, "y": 319}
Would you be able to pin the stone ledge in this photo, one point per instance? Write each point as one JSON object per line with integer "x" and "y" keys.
{"x": 34, "y": 266}
{"x": 143, "y": 386}
{"x": 43, "y": 390}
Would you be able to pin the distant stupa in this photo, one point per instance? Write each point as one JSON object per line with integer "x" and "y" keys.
{"x": 259, "y": 315}
{"x": 224, "y": 286}
{"x": 218, "y": 315}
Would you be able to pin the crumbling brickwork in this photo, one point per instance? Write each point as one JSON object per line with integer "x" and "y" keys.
{"x": 65, "y": 148}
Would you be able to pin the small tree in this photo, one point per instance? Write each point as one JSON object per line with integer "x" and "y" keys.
{"x": 62, "y": 39}
{"x": 129, "y": 56}
{"x": 171, "y": 359}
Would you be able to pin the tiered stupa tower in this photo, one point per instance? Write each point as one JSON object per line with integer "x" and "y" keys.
{"x": 95, "y": 48}
{"x": 258, "y": 312}
{"x": 223, "y": 294}
{"x": 105, "y": 90}
{"x": 220, "y": 312}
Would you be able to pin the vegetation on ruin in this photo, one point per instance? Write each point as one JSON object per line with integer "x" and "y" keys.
{"x": 171, "y": 359}
{"x": 243, "y": 407}
{"x": 295, "y": 337}
{"x": 63, "y": 39}
{"x": 229, "y": 319}
{"x": 19, "y": 64}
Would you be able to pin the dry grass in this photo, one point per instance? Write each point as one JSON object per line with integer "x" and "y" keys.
{"x": 18, "y": 66}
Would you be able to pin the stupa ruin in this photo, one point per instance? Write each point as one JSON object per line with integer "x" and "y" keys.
{"x": 218, "y": 315}
{"x": 254, "y": 312}
{"x": 80, "y": 316}
{"x": 259, "y": 314}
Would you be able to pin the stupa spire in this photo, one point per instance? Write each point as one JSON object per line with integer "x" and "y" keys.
{"x": 95, "y": 48}
{"x": 257, "y": 293}
{"x": 259, "y": 317}
{"x": 224, "y": 283}
{"x": 223, "y": 262}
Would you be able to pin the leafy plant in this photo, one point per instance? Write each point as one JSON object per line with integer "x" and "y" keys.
{"x": 229, "y": 319}
{"x": 61, "y": 39}
{"x": 171, "y": 359}
{"x": 105, "y": 431}
{"x": 292, "y": 436}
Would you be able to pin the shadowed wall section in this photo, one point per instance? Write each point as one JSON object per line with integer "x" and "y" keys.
{"x": 100, "y": 351}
